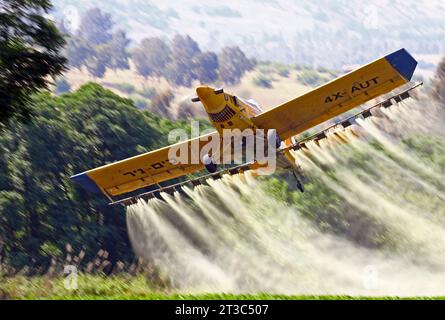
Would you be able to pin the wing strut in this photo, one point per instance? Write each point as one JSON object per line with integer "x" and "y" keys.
{"x": 170, "y": 189}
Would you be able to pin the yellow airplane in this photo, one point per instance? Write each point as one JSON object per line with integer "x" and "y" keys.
{"x": 228, "y": 111}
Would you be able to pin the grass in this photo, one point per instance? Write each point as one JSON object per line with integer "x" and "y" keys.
{"x": 125, "y": 286}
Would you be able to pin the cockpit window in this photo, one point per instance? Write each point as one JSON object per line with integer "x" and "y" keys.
{"x": 255, "y": 105}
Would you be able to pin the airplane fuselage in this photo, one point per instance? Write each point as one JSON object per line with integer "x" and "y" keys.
{"x": 227, "y": 111}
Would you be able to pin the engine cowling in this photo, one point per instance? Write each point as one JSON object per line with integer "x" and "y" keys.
{"x": 209, "y": 164}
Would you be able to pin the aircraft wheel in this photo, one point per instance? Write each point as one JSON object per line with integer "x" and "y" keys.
{"x": 210, "y": 165}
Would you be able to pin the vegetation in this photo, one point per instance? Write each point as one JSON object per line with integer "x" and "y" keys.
{"x": 95, "y": 27}
{"x": 183, "y": 62}
{"x": 124, "y": 87}
{"x": 333, "y": 213}
{"x": 234, "y": 64}
{"x": 96, "y": 47}
{"x": 206, "y": 67}
{"x": 311, "y": 78}
{"x": 151, "y": 57}
{"x": 139, "y": 102}
{"x": 45, "y": 218}
{"x": 180, "y": 61}
{"x": 160, "y": 103}
{"x": 262, "y": 81}
{"x": 147, "y": 92}
{"x": 42, "y": 211}
{"x": 329, "y": 211}
{"x": 40, "y": 208}
{"x": 180, "y": 70}
{"x": 134, "y": 287}
{"x": 283, "y": 71}
{"x": 271, "y": 68}
{"x": 30, "y": 46}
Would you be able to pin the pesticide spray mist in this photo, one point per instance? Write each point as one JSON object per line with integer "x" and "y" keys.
{"x": 371, "y": 222}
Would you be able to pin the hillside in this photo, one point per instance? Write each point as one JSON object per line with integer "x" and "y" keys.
{"x": 328, "y": 33}
{"x": 354, "y": 208}
{"x": 284, "y": 85}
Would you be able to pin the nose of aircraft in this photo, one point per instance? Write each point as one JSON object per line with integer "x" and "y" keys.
{"x": 212, "y": 102}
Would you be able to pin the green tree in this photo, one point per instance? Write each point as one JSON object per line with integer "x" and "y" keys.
{"x": 233, "y": 64}
{"x": 151, "y": 57}
{"x": 206, "y": 67}
{"x": 184, "y": 47}
{"x": 160, "y": 103}
{"x": 180, "y": 70}
{"x": 41, "y": 210}
{"x": 117, "y": 48}
{"x": 263, "y": 81}
{"x": 78, "y": 51}
{"x": 30, "y": 54}
{"x": 96, "y": 66}
{"x": 96, "y": 47}
{"x": 95, "y": 26}
{"x": 311, "y": 78}
{"x": 97, "y": 63}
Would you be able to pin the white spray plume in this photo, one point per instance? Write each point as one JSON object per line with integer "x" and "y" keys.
{"x": 232, "y": 236}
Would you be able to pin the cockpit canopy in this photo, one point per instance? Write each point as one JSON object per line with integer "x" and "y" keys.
{"x": 255, "y": 105}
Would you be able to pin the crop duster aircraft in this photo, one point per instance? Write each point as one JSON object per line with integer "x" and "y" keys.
{"x": 122, "y": 178}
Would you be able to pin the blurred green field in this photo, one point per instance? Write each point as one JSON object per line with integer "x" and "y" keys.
{"x": 126, "y": 287}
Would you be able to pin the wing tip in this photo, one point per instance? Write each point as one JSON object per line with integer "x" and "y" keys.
{"x": 403, "y": 62}
{"x": 86, "y": 182}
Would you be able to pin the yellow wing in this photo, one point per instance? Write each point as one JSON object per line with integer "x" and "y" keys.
{"x": 339, "y": 95}
{"x": 143, "y": 170}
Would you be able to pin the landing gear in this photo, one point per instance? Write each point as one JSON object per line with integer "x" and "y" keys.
{"x": 210, "y": 165}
